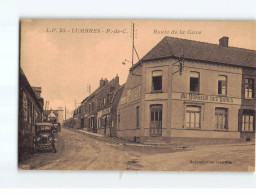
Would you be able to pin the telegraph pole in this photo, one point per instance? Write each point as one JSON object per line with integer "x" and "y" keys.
{"x": 132, "y": 42}
{"x": 65, "y": 112}
{"x": 89, "y": 89}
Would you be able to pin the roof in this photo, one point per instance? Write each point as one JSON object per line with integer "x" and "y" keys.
{"x": 91, "y": 95}
{"x": 196, "y": 50}
{"x": 97, "y": 90}
{"x": 23, "y": 81}
{"x": 116, "y": 92}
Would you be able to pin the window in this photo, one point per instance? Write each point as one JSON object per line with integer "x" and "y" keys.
{"x": 192, "y": 118}
{"x": 194, "y": 81}
{"x": 221, "y": 119}
{"x": 248, "y": 121}
{"x": 249, "y": 88}
{"x": 222, "y": 85}
{"x": 157, "y": 81}
{"x": 137, "y": 117}
{"x": 156, "y": 114}
{"x": 104, "y": 101}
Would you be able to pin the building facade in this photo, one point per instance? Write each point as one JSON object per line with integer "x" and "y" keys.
{"x": 98, "y": 111}
{"x": 185, "y": 90}
{"x": 30, "y": 112}
{"x": 77, "y": 118}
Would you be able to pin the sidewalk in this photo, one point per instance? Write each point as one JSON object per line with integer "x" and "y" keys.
{"x": 176, "y": 147}
{"x": 122, "y": 142}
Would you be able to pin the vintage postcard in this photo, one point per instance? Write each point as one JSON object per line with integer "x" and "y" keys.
{"x": 154, "y": 95}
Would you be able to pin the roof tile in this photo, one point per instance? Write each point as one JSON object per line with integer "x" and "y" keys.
{"x": 195, "y": 50}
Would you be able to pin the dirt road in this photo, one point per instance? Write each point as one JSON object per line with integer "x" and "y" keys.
{"x": 77, "y": 151}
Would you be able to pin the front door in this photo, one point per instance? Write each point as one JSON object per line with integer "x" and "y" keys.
{"x": 156, "y": 120}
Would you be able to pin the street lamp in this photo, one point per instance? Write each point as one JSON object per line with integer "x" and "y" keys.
{"x": 124, "y": 62}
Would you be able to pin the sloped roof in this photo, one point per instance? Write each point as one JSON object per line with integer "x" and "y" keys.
{"x": 23, "y": 81}
{"x": 97, "y": 90}
{"x": 196, "y": 50}
{"x": 116, "y": 92}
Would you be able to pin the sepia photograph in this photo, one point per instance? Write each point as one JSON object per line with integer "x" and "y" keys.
{"x": 139, "y": 95}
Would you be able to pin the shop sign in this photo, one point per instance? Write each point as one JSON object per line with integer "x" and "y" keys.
{"x": 206, "y": 98}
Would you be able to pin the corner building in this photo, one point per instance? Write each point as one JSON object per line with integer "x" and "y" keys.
{"x": 190, "y": 91}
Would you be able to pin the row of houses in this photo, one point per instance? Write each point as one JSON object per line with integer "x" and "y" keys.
{"x": 180, "y": 91}
{"x": 98, "y": 111}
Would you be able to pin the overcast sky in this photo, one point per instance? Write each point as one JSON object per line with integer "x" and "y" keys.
{"x": 64, "y": 63}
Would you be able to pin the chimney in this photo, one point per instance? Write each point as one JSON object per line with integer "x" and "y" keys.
{"x": 117, "y": 78}
{"x": 37, "y": 91}
{"x": 101, "y": 82}
{"x": 223, "y": 41}
{"x": 105, "y": 81}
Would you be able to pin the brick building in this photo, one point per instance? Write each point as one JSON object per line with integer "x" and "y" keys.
{"x": 184, "y": 90}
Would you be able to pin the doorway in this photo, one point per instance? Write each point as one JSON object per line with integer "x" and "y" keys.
{"x": 156, "y": 120}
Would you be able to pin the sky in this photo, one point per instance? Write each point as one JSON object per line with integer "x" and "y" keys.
{"x": 65, "y": 56}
